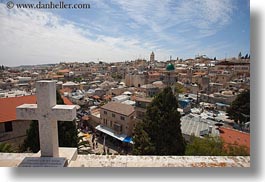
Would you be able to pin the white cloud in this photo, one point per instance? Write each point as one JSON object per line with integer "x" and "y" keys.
{"x": 33, "y": 37}
{"x": 167, "y": 27}
{"x": 208, "y": 16}
{"x": 190, "y": 21}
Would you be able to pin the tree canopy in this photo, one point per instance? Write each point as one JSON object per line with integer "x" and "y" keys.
{"x": 213, "y": 146}
{"x": 240, "y": 108}
{"x": 180, "y": 88}
{"x": 67, "y": 133}
{"x": 6, "y": 148}
{"x": 208, "y": 146}
{"x": 159, "y": 133}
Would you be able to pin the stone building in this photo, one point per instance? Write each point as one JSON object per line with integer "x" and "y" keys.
{"x": 141, "y": 107}
{"x": 118, "y": 118}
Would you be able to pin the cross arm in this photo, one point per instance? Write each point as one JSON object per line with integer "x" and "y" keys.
{"x": 27, "y": 112}
{"x": 64, "y": 112}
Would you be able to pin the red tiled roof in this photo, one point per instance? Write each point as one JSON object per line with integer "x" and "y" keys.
{"x": 8, "y": 106}
{"x": 66, "y": 101}
{"x": 107, "y": 97}
{"x": 64, "y": 71}
{"x": 96, "y": 97}
{"x": 66, "y": 89}
{"x": 232, "y": 137}
{"x": 58, "y": 76}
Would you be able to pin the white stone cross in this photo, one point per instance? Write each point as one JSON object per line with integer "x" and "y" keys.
{"x": 47, "y": 113}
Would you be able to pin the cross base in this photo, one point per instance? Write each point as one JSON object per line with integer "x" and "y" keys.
{"x": 66, "y": 156}
{"x": 44, "y": 162}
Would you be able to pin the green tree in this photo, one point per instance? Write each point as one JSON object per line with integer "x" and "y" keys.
{"x": 160, "y": 132}
{"x": 142, "y": 143}
{"x": 67, "y": 130}
{"x": 240, "y": 108}
{"x": 236, "y": 150}
{"x": 180, "y": 88}
{"x": 6, "y": 147}
{"x": 67, "y": 133}
{"x": 32, "y": 142}
{"x": 213, "y": 146}
{"x": 208, "y": 146}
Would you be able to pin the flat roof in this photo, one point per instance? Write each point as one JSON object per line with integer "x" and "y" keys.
{"x": 193, "y": 124}
{"x": 120, "y": 108}
{"x": 143, "y": 99}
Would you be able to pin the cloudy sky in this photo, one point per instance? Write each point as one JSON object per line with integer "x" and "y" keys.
{"x": 115, "y": 30}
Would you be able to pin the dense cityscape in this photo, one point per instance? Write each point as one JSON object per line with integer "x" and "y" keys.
{"x": 114, "y": 102}
{"x": 125, "y": 83}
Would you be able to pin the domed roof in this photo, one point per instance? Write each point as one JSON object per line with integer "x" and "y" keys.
{"x": 170, "y": 67}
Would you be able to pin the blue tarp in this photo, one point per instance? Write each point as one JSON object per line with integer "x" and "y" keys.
{"x": 127, "y": 139}
{"x": 183, "y": 103}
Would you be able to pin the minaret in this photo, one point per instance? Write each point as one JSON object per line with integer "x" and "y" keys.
{"x": 170, "y": 77}
{"x": 152, "y": 57}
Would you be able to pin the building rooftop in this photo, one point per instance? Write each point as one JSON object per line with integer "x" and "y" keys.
{"x": 193, "y": 124}
{"x": 70, "y": 84}
{"x": 149, "y": 100}
{"x": 8, "y": 106}
{"x": 120, "y": 108}
{"x": 148, "y": 86}
{"x": 121, "y": 98}
{"x": 232, "y": 137}
{"x": 64, "y": 71}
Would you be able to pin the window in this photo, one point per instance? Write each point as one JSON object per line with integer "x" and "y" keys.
{"x": 105, "y": 112}
{"x": 122, "y": 118}
{"x": 132, "y": 117}
{"x": 113, "y": 115}
{"x": 105, "y": 121}
{"x": 117, "y": 127}
{"x": 8, "y": 126}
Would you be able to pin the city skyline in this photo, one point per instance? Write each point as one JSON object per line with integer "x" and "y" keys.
{"x": 114, "y": 31}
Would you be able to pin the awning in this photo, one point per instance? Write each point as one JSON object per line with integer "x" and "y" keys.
{"x": 110, "y": 132}
{"x": 128, "y": 139}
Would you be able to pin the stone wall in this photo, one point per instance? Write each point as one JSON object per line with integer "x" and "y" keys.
{"x": 17, "y": 135}
{"x": 12, "y": 160}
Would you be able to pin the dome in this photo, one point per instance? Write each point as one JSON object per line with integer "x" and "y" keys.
{"x": 170, "y": 67}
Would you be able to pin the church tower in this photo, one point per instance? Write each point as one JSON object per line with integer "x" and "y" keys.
{"x": 152, "y": 57}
